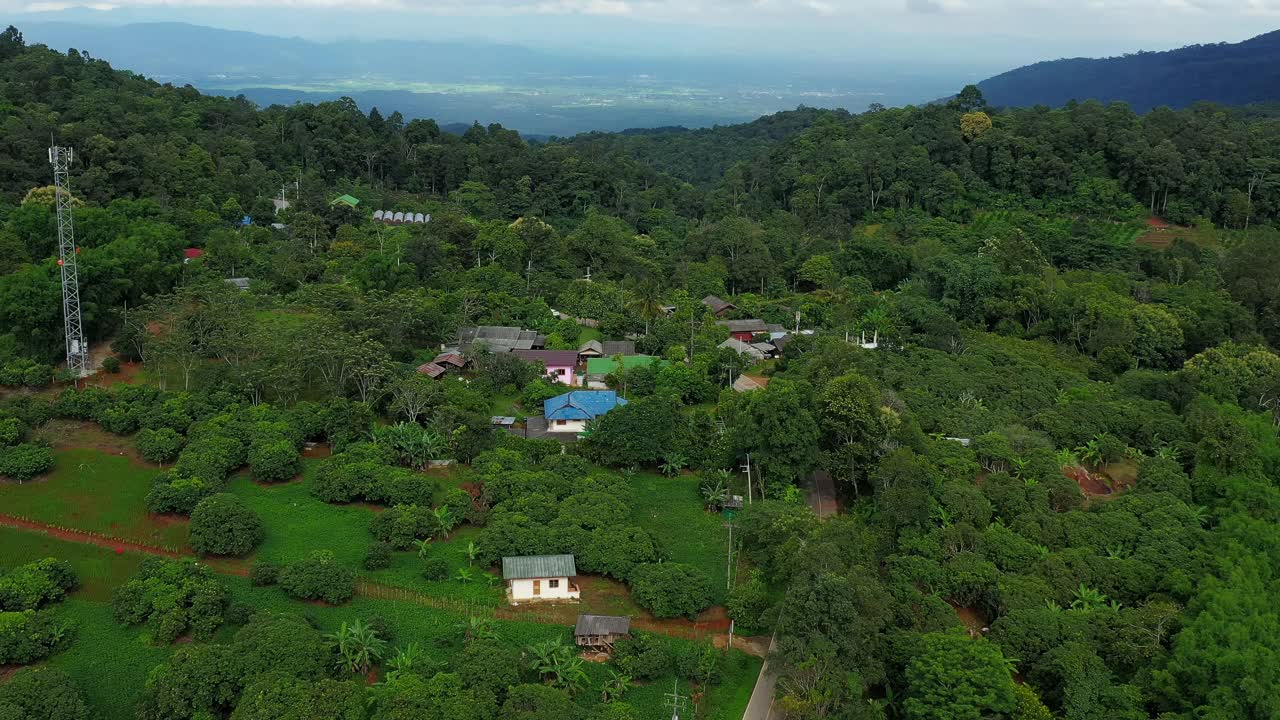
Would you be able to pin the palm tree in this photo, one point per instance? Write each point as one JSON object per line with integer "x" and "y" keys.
{"x": 466, "y": 575}
{"x": 424, "y": 547}
{"x": 445, "y": 521}
{"x": 558, "y": 665}
{"x": 1067, "y": 458}
{"x": 473, "y": 552}
{"x": 646, "y": 301}
{"x": 615, "y": 687}
{"x": 1200, "y": 514}
{"x": 358, "y": 645}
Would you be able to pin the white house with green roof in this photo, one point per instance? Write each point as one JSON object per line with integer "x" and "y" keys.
{"x": 540, "y": 577}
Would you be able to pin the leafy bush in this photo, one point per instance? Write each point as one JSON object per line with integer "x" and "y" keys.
{"x": 273, "y": 460}
{"x": 644, "y": 656}
{"x": 26, "y": 461}
{"x": 210, "y": 457}
{"x": 28, "y": 635}
{"x": 264, "y": 573}
{"x": 378, "y": 557}
{"x": 26, "y": 372}
{"x": 670, "y": 589}
{"x": 173, "y": 492}
{"x": 223, "y": 525}
{"x": 31, "y": 586}
{"x": 42, "y": 693}
{"x": 159, "y": 446}
{"x": 172, "y": 597}
{"x": 111, "y": 364}
{"x": 318, "y": 577}
{"x": 435, "y": 568}
{"x": 10, "y": 431}
{"x": 401, "y": 525}
{"x": 82, "y": 404}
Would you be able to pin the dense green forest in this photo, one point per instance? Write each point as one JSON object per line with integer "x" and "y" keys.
{"x": 1059, "y": 470}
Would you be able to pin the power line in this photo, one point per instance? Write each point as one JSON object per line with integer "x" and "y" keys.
{"x": 77, "y": 347}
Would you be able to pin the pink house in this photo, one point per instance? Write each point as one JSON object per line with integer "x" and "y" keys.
{"x": 560, "y": 364}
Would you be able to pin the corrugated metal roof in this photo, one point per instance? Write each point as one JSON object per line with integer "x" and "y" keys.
{"x": 549, "y": 358}
{"x": 581, "y": 405}
{"x": 716, "y": 304}
{"x": 754, "y": 325}
{"x": 618, "y": 347}
{"x": 606, "y": 365}
{"x": 602, "y": 625}
{"x": 538, "y": 566}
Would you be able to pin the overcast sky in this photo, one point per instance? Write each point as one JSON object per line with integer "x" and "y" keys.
{"x": 971, "y": 33}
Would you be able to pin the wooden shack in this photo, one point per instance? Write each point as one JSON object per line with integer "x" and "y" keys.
{"x": 600, "y": 632}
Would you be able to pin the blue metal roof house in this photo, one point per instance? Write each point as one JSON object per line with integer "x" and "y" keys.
{"x": 571, "y": 411}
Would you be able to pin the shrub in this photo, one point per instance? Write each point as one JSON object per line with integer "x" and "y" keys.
{"x": 378, "y": 557}
{"x": 223, "y": 525}
{"x": 36, "y": 584}
{"x": 399, "y": 487}
{"x": 401, "y": 525}
{"x": 459, "y": 503}
{"x": 111, "y": 364}
{"x": 26, "y": 461}
{"x": 210, "y": 457}
{"x": 172, "y": 492}
{"x": 10, "y": 431}
{"x": 273, "y": 460}
{"x": 81, "y": 404}
{"x": 435, "y": 568}
{"x": 28, "y": 635}
{"x": 264, "y": 573}
{"x": 670, "y": 589}
{"x": 42, "y": 693}
{"x": 748, "y": 601}
{"x": 319, "y": 577}
{"x": 644, "y": 656}
{"x": 238, "y": 614}
{"x": 159, "y": 446}
{"x": 172, "y": 597}
{"x": 119, "y": 418}
{"x": 338, "y": 482}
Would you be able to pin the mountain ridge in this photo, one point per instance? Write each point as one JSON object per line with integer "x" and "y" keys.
{"x": 1233, "y": 74}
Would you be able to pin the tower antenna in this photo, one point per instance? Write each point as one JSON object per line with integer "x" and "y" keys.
{"x": 77, "y": 348}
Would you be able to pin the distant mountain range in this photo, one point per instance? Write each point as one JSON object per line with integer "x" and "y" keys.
{"x": 1228, "y": 74}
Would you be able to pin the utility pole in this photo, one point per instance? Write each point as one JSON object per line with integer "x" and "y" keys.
{"x": 747, "y": 468}
{"x": 675, "y": 700}
{"x": 77, "y": 348}
{"x": 728, "y": 571}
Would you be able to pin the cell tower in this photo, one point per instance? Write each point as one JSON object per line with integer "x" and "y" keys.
{"x": 77, "y": 348}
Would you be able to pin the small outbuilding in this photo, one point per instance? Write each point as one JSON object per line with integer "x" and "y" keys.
{"x": 718, "y": 306}
{"x": 744, "y": 330}
{"x": 600, "y": 632}
{"x": 540, "y": 577}
{"x": 348, "y": 200}
{"x": 591, "y": 349}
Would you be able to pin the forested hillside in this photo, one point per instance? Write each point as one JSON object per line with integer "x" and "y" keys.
{"x": 1224, "y": 73}
{"x": 1041, "y": 375}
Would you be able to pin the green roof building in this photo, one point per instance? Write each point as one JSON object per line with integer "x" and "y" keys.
{"x": 605, "y": 365}
{"x": 347, "y": 200}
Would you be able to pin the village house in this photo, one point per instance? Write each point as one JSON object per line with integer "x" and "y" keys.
{"x": 540, "y": 577}
{"x": 746, "y": 383}
{"x": 747, "y": 349}
{"x": 572, "y": 411}
{"x": 600, "y": 368}
{"x": 442, "y": 365}
{"x": 560, "y": 364}
{"x": 600, "y": 632}
{"x": 744, "y": 330}
{"x": 500, "y": 339}
{"x": 591, "y": 349}
{"x": 718, "y": 307}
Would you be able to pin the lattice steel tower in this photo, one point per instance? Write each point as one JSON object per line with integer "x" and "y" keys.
{"x": 77, "y": 348}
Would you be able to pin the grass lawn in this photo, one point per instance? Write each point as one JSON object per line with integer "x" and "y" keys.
{"x": 98, "y": 491}
{"x": 297, "y": 524}
{"x": 672, "y": 510}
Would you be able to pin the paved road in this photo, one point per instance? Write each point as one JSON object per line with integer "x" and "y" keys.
{"x": 761, "y": 705}
{"x": 820, "y": 493}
